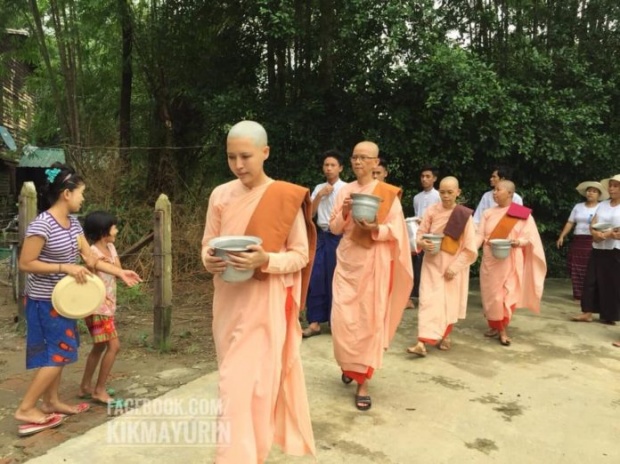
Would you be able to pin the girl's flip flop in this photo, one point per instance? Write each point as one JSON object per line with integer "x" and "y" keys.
{"x": 88, "y": 396}
{"x": 25, "y": 430}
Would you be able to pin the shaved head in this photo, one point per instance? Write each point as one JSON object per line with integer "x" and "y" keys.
{"x": 449, "y": 181}
{"x": 508, "y": 185}
{"x": 449, "y": 191}
{"x": 251, "y": 130}
{"x": 370, "y": 148}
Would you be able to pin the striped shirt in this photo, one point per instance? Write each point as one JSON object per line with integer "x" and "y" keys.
{"x": 61, "y": 246}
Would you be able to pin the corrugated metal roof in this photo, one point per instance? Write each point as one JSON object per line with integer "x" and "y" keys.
{"x": 36, "y": 157}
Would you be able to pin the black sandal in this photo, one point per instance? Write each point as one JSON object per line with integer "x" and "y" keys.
{"x": 505, "y": 341}
{"x": 363, "y": 403}
{"x": 346, "y": 380}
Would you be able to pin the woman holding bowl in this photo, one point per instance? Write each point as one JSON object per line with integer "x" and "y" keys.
{"x": 581, "y": 244}
{"x": 601, "y": 290}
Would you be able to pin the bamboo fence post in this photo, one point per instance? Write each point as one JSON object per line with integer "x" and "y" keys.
{"x": 162, "y": 300}
{"x": 27, "y": 212}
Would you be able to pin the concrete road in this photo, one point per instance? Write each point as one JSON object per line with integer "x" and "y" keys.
{"x": 551, "y": 397}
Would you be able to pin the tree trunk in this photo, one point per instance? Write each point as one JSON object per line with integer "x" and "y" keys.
{"x": 40, "y": 35}
{"x": 67, "y": 68}
{"x": 126, "y": 82}
{"x": 326, "y": 40}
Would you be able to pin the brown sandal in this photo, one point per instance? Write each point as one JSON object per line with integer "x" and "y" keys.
{"x": 421, "y": 352}
{"x": 445, "y": 344}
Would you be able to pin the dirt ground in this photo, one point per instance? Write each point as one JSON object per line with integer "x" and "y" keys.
{"x": 552, "y": 397}
{"x": 139, "y": 371}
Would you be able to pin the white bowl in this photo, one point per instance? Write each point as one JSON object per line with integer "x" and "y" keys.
{"x": 602, "y": 226}
{"x": 500, "y": 247}
{"x": 234, "y": 243}
{"x": 436, "y": 239}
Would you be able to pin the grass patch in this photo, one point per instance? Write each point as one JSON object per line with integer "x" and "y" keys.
{"x": 135, "y": 298}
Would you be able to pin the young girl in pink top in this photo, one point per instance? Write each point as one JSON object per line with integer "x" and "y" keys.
{"x": 100, "y": 230}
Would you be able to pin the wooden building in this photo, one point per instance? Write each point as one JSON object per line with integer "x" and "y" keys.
{"x": 16, "y": 113}
{"x": 16, "y": 105}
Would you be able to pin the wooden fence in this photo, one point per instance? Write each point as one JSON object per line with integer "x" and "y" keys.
{"x": 161, "y": 236}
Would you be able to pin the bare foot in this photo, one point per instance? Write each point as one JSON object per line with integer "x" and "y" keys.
{"x": 583, "y": 317}
{"x": 102, "y": 397}
{"x": 445, "y": 344}
{"x": 315, "y": 326}
{"x": 419, "y": 349}
{"x": 85, "y": 392}
{"x": 313, "y": 329}
{"x": 60, "y": 408}
{"x": 616, "y": 344}
{"x": 34, "y": 416}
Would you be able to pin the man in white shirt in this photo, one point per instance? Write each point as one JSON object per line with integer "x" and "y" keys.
{"x": 427, "y": 197}
{"x": 319, "y": 300}
{"x": 486, "y": 202}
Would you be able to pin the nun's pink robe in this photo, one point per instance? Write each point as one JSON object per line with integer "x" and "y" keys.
{"x": 257, "y": 336}
{"x": 371, "y": 287}
{"x": 516, "y": 281}
{"x": 443, "y": 302}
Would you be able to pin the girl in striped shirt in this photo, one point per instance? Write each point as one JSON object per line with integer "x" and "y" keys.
{"x": 53, "y": 241}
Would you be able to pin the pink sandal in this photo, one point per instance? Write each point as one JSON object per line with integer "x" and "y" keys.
{"x": 31, "y": 428}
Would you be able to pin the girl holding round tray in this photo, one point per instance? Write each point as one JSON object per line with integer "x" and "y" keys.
{"x": 53, "y": 241}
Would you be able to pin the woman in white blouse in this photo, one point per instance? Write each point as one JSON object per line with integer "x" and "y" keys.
{"x": 601, "y": 289}
{"x": 581, "y": 244}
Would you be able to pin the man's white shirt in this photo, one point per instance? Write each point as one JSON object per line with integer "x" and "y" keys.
{"x": 423, "y": 200}
{"x": 326, "y": 205}
{"x": 487, "y": 202}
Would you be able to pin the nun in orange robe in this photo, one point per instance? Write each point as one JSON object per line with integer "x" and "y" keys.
{"x": 513, "y": 282}
{"x": 443, "y": 302}
{"x": 371, "y": 286}
{"x": 257, "y": 336}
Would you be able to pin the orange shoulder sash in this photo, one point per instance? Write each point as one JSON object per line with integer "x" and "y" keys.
{"x": 514, "y": 214}
{"x": 388, "y": 193}
{"x": 272, "y": 221}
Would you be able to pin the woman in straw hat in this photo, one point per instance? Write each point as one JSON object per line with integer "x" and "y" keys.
{"x": 601, "y": 290}
{"x": 581, "y": 244}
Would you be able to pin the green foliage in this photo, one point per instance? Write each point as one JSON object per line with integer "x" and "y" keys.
{"x": 133, "y": 298}
{"x": 460, "y": 85}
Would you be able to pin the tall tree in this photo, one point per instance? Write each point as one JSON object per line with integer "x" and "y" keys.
{"x": 124, "y": 139}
